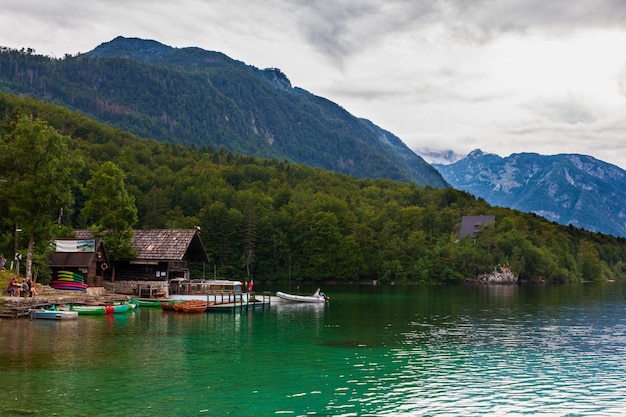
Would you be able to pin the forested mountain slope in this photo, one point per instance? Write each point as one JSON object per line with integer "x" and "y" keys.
{"x": 282, "y": 221}
{"x": 195, "y": 97}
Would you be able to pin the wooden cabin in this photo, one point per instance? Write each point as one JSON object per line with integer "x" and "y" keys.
{"x": 162, "y": 255}
{"x": 83, "y": 255}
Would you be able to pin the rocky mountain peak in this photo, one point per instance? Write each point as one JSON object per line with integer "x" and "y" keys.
{"x": 566, "y": 188}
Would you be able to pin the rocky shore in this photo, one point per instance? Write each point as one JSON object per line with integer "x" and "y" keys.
{"x": 499, "y": 276}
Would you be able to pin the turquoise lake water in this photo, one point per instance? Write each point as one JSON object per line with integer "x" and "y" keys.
{"x": 372, "y": 351}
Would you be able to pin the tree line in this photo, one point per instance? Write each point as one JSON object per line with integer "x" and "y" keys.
{"x": 269, "y": 219}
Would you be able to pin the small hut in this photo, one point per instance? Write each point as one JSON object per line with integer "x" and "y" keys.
{"x": 85, "y": 256}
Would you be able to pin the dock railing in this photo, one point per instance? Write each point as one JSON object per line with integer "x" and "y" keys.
{"x": 234, "y": 300}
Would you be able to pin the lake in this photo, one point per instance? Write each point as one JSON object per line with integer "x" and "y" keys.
{"x": 372, "y": 351}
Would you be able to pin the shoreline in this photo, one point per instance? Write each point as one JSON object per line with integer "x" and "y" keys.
{"x": 12, "y": 307}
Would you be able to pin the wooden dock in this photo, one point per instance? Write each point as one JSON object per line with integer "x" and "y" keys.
{"x": 18, "y": 307}
{"x": 228, "y": 303}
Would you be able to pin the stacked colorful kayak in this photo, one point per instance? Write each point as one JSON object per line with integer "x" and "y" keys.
{"x": 68, "y": 280}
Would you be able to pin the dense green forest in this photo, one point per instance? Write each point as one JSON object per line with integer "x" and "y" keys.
{"x": 274, "y": 220}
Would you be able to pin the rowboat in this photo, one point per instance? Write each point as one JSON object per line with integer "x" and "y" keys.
{"x": 89, "y": 310}
{"x": 317, "y": 297}
{"x": 169, "y": 305}
{"x": 118, "y": 308}
{"x": 143, "y": 303}
{"x": 52, "y": 314}
{"x": 191, "y": 306}
{"x": 99, "y": 310}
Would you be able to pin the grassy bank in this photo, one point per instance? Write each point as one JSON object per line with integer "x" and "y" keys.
{"x": 5, "y": 277}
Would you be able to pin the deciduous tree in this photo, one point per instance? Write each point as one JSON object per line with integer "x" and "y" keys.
{"x": 40, "y": 169}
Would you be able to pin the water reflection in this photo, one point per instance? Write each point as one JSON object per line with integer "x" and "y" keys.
{"x": 372, "y": 351}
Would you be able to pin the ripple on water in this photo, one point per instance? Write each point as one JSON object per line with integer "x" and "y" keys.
{"x": 498, "y": 368}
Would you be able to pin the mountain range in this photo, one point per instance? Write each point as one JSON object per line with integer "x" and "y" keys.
{"x": 566, "y": 188}
{"x": 203, "y": 98}
{"x": 206, "y": 99}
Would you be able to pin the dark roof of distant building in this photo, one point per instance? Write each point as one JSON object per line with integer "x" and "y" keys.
{"x": 470, "y": 225}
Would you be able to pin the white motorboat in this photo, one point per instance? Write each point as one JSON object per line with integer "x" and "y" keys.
{"x": 317, "y": 297}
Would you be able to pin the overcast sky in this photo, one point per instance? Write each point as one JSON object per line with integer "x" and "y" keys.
{"x": 505, "y": 76}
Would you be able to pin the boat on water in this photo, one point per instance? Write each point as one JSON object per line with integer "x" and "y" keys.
{"x": 89, "y": 310}
{"x": 218, "y": 294}
{"x": 317, "y": 297}
{"x": 191, "y": 306}
{"x": 100, "y": 310}
{"x": 145, "y": 303}
{"x": 169, "y": 305}
{"x": 52, "y": 314}
{"x": 218, "y": 291}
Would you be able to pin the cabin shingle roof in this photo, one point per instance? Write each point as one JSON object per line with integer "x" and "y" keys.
{"x": 170, "y": 244}
{"x": 163, "y": 244}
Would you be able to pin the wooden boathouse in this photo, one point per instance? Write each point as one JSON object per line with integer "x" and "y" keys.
{"x": 162, "y": 255}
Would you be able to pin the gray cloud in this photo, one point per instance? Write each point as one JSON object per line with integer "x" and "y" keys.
{"x": 569, "y": 110}
{"x": 621, "y": 81}
{"x": 343, "y": 27}
{"x": 504, "y": 74}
